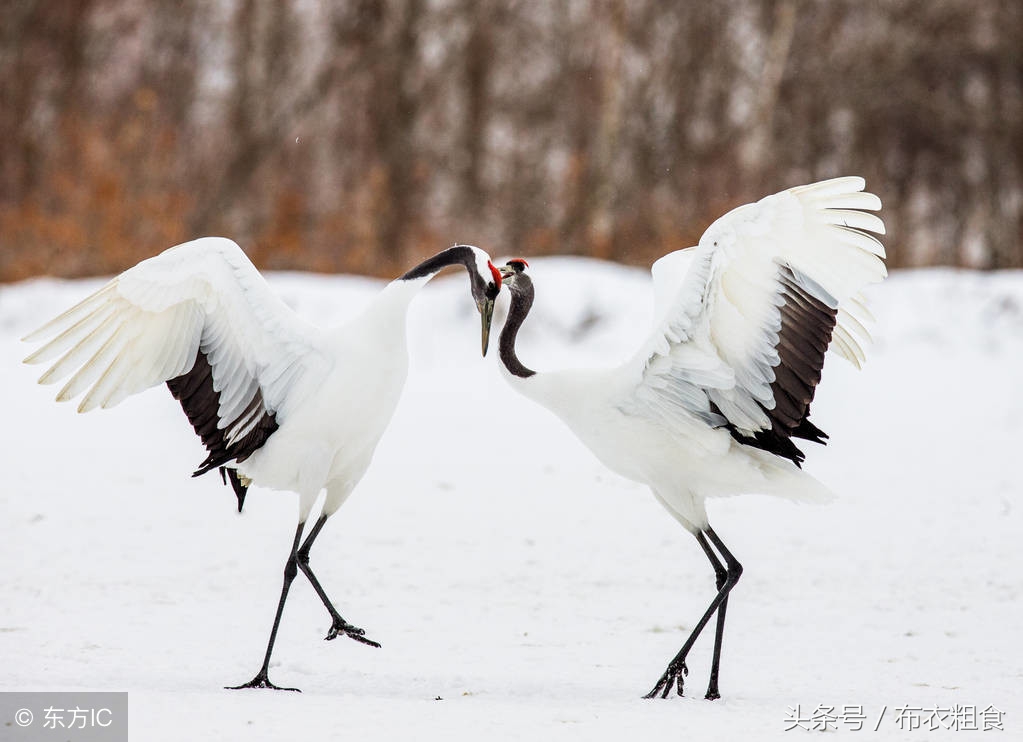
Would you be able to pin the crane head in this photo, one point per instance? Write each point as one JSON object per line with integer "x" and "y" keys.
{"x": 513, "y": 267}
{"x": 485, "y": 284}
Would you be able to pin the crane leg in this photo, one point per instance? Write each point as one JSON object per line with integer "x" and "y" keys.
{"x": 677, "y": 670}
{"x": 721, "y": 576}
{"x": 290, "y": 570}
{"x": 339, "y": 626}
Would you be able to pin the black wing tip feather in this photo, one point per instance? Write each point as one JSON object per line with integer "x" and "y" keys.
{"x": 194, "y": 390}
{"x": 779, "y": 441}
{"x": 810, "y": 432}
{"x": 806, "y": 327}
{"x": 776, "y": 441}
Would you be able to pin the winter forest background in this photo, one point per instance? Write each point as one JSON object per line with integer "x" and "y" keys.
{"x": 358, "y": 136}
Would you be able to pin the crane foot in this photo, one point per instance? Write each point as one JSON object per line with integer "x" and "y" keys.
{"x": 674, "y": 675}
{"x": 343, "y": 628}
{"x": 260, "y": 681}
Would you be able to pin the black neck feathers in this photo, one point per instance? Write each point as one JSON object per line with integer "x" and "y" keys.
{"x": 521, "y": 287}
{"x": 457, "y": 255}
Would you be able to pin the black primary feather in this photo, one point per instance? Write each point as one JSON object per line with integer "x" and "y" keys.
{"x": 806, "y": 327}
{"x": 194, "y": 390}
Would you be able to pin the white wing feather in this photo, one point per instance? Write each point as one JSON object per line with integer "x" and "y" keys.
{"x": 146, "y": 326}
{"x": 717, "y": 304}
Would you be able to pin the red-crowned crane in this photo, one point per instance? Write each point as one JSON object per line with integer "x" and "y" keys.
{"x": 277, "y": 402}
{"x": 722, "y": 383}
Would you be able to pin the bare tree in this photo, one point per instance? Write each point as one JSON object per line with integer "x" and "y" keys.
{"x": 353, "y": 136}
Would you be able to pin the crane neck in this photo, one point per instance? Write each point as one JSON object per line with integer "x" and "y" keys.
{"x": 463, "y": 255}
{"x": 392, "y": 303}
{"x": 521, "y": 288}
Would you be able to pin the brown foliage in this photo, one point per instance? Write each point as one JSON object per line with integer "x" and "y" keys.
{"x": 360, "y": 136}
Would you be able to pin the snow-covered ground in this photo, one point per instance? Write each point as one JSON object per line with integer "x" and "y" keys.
{"x": 518, "y": 588}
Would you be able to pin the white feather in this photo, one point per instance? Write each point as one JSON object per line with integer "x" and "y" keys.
{"x": 727, "y": 289}
{"x": 143, "y": 328}
{"x": 318, "y": 401}
{"x": 738, "y": 319}
{"x": 712, "y": 355}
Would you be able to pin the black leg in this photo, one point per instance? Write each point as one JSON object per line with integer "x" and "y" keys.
{"x": 677, "y": 669}
{"x": 721, "y": 575}
{"x": 290, "y": 570}
{"x": 339, "y": 625}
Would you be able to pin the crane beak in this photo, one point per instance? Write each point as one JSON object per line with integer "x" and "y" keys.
{"x": 486, "y": 307}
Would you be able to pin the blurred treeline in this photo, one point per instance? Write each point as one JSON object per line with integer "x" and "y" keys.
{"x": 360, "y": 135}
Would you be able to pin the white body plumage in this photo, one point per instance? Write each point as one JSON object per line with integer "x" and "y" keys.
{"x": 683, "y": 464}
{"x": 276, "y": 401}
{"x": 709, "y": 404}
{"x": 328, "y": 436}
{"x": 710, "y": 363}
{"x": 332, "y": 392}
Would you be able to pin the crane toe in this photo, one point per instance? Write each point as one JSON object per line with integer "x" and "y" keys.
{"x": 343, "y": 628}
{"x": 260, "y": 681}
{"x": 673, "y": 676}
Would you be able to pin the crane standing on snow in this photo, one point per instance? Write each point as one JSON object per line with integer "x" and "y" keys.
{"x": 276, "y": 401}
{"x": 711, "y": 402}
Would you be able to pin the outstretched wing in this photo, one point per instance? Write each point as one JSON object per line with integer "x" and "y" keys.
{"x": 744, "y": 320}
{"x": 201, "y": 318}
